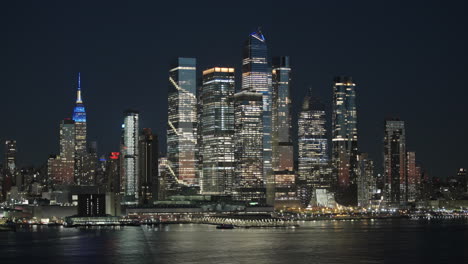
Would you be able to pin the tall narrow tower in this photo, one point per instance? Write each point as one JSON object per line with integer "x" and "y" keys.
{"x": 182, "y": 122}
{"x": 395, "y": 162}
{"x": 256, "y": 78}
{"x": 79, "y": 116}
{"x": 344, "y": 139}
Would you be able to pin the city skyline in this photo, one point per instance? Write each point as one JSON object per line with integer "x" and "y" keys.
{"x": 153, "y": 116}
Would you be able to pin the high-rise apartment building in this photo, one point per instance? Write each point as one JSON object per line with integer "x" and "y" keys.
{"x": 217, "y": 131}
{"x": 395, "y": 162}
{"x": 256, "y": 77}
{"x": 366, "y": 181}
{"x": 182, "y": 122}
{"x": 129, "y": 157}
{"x": 344, "y": 139}
{"x": 414, "y": 176}
{"x": 10, "y": 169}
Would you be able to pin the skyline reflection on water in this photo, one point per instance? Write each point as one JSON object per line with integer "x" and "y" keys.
{"x": 380, "y": 241}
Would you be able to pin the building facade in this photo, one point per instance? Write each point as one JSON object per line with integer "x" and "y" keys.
{"x": 67, "y": 152}
{"x": 248, "y": 154}
{"x": 217, "y": 131}
{"x": 130, "y": 157}
{"x": 345, "y": 139}
{"x": 148, "y": 166}
{"x": 182, "y": 122}
{"x": 79, "y": 117}
{"x": 256, "y": 77}
{"x": 395, "y": 162}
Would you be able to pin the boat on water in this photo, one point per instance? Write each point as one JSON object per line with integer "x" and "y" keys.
{"x": 225, "y": 226}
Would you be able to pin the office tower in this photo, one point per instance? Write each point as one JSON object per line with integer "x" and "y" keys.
{"x": 462, "y": 175}
{"x": 182, "y": 122}
{"x": 129, "y": 157}
{"x": 413, "y": 175}
{"x": 53, "y": 170}
{"x": 148, "y": 166}
{"x": 248, "y": 154}
{"x": 67, "y": 153}
{"x": 395, "y": 162}
{"x": 344, "y": 139}
{"x": 282, "y": 146}
{"x": 217, "y": 131}
{"x": 9, "y": 167}
{"x": 314, "y": 169}
{"x": 366, "y": 182}
{"x": 256, "y": 77}
{"x": 101, "y": 176}
{"x": 79, "y": 116}
{"x": 113, "y": 173}
{"x": 90, "y": 164}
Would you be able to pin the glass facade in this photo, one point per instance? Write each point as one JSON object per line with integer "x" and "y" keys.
{"x": 256, "y": 77}
{"x": 217, "y": 131}
{"x": 130, "y": 155}
{"x": 366, "y": 180}
{"x": 345, "y": 138}
{"x": 182, "y": 122}
{"x": 148, "y": 158}
{"x": 395, "y": 162}
{"x": 249, "y": 180}
{"x": 282, "y": 146}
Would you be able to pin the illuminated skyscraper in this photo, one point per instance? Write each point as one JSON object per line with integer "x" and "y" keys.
{"x": 395, "y": 162}
{"x": 256, "y": 77}
{"x": 79, "y": 116}
{"x": 217, "y": 131}
{"x": 66, "y": 174}
{"x": 414, "y": 176}
{"x": 9, "y": 167}
{"x": 282, "y": 146}
{"x": 366, "y": 182}
{"x": 129, "y": 157}
{"x": 344, "y": 139}
{"x": 182, "y": 122}
{"x": 113, "y": 173}
{"x": 249, "y": 179}
{"x": 148, "y": 166}
{"x": 315, "y": 171}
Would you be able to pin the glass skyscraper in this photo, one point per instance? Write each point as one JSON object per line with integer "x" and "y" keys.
{"x": 256, "y": 77}
{"x": 148, "y": 158}
{"x": 282, "y": 146}
{"x": 129, "y": 156}
{"x": 344, "y": 139}
{"x": 182, "y": 122}
{"x": 79, "y": 116}
{"x": 217, "y": 131}
{"x": 395, "y": 162}
{"x": 249, "y": 179}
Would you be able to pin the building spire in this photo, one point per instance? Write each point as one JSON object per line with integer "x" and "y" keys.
{"x": 78, "y": 97}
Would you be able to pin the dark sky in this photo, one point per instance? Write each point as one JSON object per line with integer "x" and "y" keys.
{"x": 408, "y": 58}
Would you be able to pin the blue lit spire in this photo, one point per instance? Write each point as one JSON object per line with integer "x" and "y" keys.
{"x": 258, "y": 35}
{"x": 79, "y": 113}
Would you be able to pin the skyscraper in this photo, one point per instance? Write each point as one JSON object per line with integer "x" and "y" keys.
{"x": 413, "y": 175}
{"x": 129, "y": 155}
{"x": 345, "y": 138}
{"x": 395, "y": 162}
{"x": 148, "y": 166}
{"x": 314, "y": 168}
{"x": 249, "y": 177}
{"x": 113, "y": 173}
{"x": 282, "y": 146}
{"x": 217, "y": 131}
{"x": 182, "y": 122}
{"x": 366, "y": 182}
{"x": 66, "y": 175}
{"x": 79, "y": 116}
{"x": 256, "y": 77}
{"x": 9, "y": 167}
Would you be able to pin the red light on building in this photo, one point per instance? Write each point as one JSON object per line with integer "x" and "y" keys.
{"x": 114, "y": 155}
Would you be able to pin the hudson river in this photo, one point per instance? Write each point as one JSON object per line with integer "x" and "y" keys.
{"x": 379, "y": 241}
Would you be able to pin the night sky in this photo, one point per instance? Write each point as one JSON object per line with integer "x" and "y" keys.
{"x": 408, "y": 59}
